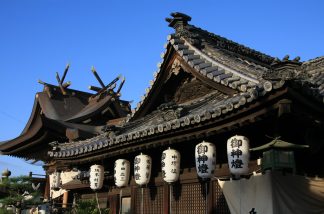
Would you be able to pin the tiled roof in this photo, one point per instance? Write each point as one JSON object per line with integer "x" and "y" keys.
{"x": 249, "y": 72}
{"x": 207, "y": 66}
{"x": 219, "y": 59}
{"x": 315, "y": 69}
{"x": 212, "y": 69}
{"x": 198, "y": 112}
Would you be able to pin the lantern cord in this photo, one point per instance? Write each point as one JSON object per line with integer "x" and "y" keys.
{"x": 170, "y": 198}
{"x": 240, "y": 197}
{"x": 142, "y": 202}
{"x": 98, "y": 202}
{"x": 120, "y": 199}
{"x": 206, "y": 193}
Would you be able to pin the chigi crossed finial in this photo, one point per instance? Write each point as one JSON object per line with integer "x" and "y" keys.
{"x": 63, "y": 86}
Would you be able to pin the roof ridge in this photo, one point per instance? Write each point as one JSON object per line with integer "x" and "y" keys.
{"x": 314, "y": 60}
{"x": 216, "y": 71}
{"x": 149, "y": 88}
{"x": 209, "y": 59}
{"x": 235, "y": 46}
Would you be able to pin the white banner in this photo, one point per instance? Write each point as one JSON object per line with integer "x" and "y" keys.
{"x": 274, "y": 193}
{"x": 249, "y": 196}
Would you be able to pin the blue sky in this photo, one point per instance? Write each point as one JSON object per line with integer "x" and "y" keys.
{"x": 38, "y": 38}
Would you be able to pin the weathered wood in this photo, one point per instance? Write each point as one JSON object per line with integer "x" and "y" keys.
{"x": 120, "y": 86}
{"x": 94, "y": 88}
{"x": 59, "y": 83}
{"x": 67, "y": 84}
{"x": 48, "y": 91}
{"x": 97, "y": 76}
{"x": 107, "y": 86}
{"x": 64, "y": 73}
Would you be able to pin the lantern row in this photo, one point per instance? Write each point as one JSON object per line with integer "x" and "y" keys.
{"x": 205, "y": 159}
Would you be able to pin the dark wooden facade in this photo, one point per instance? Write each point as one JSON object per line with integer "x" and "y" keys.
{"x": 207, "y": 88}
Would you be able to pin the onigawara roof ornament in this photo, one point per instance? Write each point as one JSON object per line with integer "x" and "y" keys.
{"x": 285, "y": 69}
{"x": 179, "y": 20}
{"x": 180, "y": 23}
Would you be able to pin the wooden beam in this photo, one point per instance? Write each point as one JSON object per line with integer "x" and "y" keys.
{"x": 97, "y": 77}
{"x": 64, "y": 73}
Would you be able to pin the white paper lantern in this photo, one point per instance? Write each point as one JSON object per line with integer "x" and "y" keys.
{"x": 205, "y": 154}
{"x": 56, "y": 180}
{"x": 96, "y": 177}
{"x": 238, "y": 155}
{"x": 142, "y": 169}
{"x": 170, "y": 163}
{"x": 121, "y": 172}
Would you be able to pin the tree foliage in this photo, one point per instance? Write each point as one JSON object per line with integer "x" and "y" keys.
{"x": 15, "y": 188}
{"x": 89, "y": 207}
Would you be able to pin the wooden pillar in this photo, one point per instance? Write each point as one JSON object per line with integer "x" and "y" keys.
{"x": 65, "y": 199}
{"x": 47, "y": 190}
{"x": 133, "y": 198}
{"x": 114, "y": 203}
